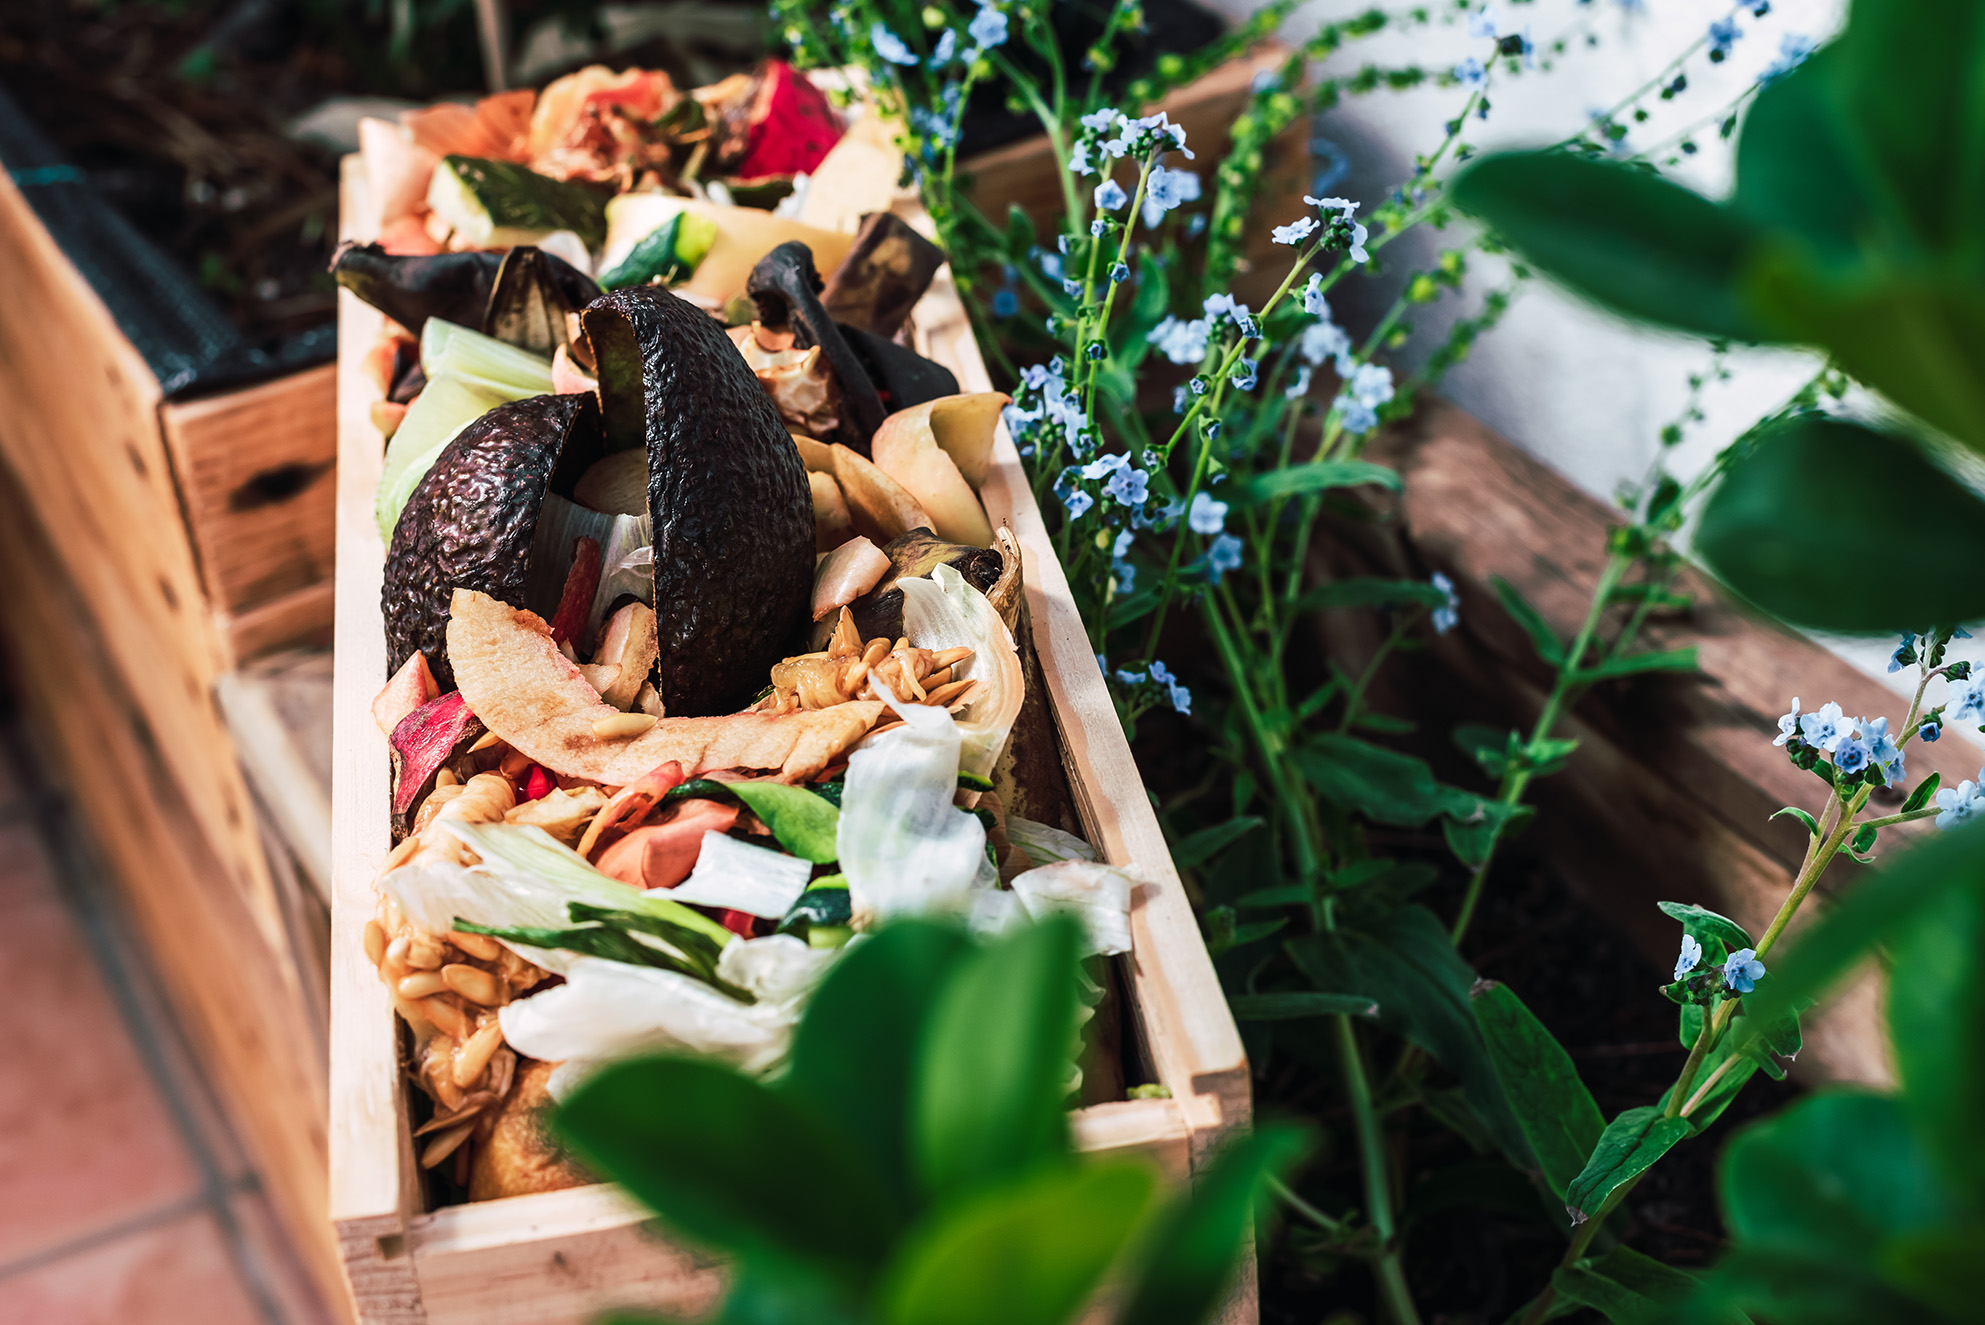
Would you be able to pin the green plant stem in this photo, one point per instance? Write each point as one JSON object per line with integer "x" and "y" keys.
{"x": 1267, "y": 741}
{"x": 1388, "y": 1266}
{"x": 1581, "y": 1238}
{"x": 1354, "y": 700}
{"x": 1517, "y": 780}
{"x": 1334, "y": 1227}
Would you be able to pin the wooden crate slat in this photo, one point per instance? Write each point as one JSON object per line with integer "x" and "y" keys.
{"x": 254, "y": 469}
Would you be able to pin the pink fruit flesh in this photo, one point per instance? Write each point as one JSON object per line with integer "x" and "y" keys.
{"x": 662, "y": 855}
{"x": 850, "y": 571}
{"x": 423, "y": 741}
{"x": 411, "y": 686}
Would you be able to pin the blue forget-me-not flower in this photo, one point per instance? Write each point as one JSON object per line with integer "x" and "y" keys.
{"x": 1743, "y": 970}
{"x": 890, "y": 46}
{"x": 1691, "y": 954}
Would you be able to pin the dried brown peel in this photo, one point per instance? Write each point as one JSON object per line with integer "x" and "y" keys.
{"x": 529, "y": 694}
{"x": 881, "y": 509}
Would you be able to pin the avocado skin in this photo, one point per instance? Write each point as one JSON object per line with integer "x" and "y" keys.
{"x": 469, "y": 523}
{"x": 732, "y": 510}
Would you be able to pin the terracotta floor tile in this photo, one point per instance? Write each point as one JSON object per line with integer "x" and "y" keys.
{"x": 84, "y": 1140}
{"x": 178, "y": 1273}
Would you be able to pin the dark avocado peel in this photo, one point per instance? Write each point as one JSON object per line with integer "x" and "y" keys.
{"x": 470, "y": 522}
{"x": 728, "y": 496}
{"x": 455, "y": 287}
{"x": 876, "y": 375}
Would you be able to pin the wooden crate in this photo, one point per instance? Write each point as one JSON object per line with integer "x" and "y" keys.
{"x": 563, "y": 1256}
{"x": 117, "y": 645}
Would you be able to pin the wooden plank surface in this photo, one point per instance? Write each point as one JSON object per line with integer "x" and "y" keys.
{"x": 372, "y": 1189}
{"x": 1680, "y": 772}
{"x": 117, "y": 656}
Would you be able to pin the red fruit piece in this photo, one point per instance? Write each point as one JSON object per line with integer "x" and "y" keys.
{"x": 662, "y": 855}
{"x": 737, "y": 922}
{"x": 539, "y": 784}
{"x": 582, "y": 582}
{"x": 423, "y": 742}
{"x": 630, "y": 805}
{"x": 792, "y": 125}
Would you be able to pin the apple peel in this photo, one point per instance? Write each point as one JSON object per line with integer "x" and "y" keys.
{"x": 513, "y": 676}
{"x": 940, "y": 452}
{"x": 411, "y": 686}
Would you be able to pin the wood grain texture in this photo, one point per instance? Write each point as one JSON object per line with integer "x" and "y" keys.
{"x": 120, "y": 658}
{"x": 1671, "y": 791}
{"x": 255, "y": 474}
{"x": 544, "y": 1259}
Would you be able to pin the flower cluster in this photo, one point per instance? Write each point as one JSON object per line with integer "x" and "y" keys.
{"x": 1958, "y": 804}
{"x": 1861, "y": 749}
{"x": 1739, "y": 973}
{"x": 1160, "y": 676}
{"x": 1045, "y": 412}
{"x": 1110, "y": 135}
{"x": 1208, "y": 518}
{"x": 1448, "y": 615}
{"x": 987, "y": 29}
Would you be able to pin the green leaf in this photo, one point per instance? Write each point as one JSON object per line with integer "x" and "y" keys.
{"x": 1488, "y": 746}
{"x": 1921, "y": 796}
{"x": 993, "y": 1060}
{"x": 1542, "y": 638}
{"x": 1628, "y": 239}
{"x": 1366, "y": 591}
{"x": 1797, "y": 171}
{"x": 1403, "y": 959}
{"x": 1936, "y": 1015}
{"x": 1630, "y": 1145}
{"x": 1382, "y": 784}
{"x": 1702, "y": 924}
{"x": 1033, "y": 1249}
{"x": 1296, "y": 1004}
{"x": 764, "y": 1177}
{"x": 1555, "y": 1110}
{"x": 1634, "y": 664}
{"x": 853, "y": 1059}
{"x": 1812, "y": 824}
{"x": 1917, "y": 338}
{"x": 1811, "y": 1198}
{"x": 1192, "y": 1254}
{"x": 1810, "y": 524}
{"x": 1195, "y": 849}
{"x": 1473, "y": 838}
{"x": 1316, "y": 476}
{"x": 804, "y": 824}
{"x": 1626, "y": 1287}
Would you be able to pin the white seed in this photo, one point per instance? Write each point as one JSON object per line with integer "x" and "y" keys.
{"x": 475, "y": 1055}
{"x": 480, "y": 946}
{"x": 474, "y": 984}
{"x": 421, "y": 984}
{"x": 619, "y": 726}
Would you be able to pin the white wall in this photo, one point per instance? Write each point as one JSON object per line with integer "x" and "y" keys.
{"x": 1573, "y": 385}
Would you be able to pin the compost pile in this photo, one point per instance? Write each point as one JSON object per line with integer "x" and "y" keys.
{"x": 702, "y": 644}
